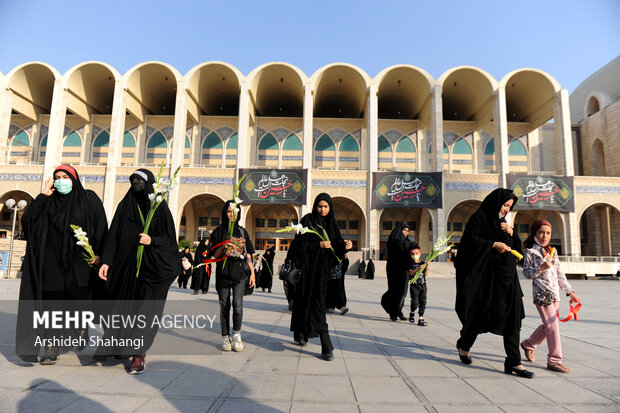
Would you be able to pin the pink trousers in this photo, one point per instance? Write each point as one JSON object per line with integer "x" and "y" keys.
{"x": 549, "y": 329}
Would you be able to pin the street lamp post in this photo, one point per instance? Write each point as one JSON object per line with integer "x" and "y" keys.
{"x": 11, "y": 204}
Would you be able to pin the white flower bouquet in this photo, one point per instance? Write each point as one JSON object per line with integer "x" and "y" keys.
{"x": 300, "y": 229}
{"x": 440, "y": 247}
{"x": 83, "y": 242}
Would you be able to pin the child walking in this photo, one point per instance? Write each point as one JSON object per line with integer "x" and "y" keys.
{"x": 542, "y": 266}
{"x": 417, "y": 290}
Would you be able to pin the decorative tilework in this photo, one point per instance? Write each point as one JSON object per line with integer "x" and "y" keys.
{"x": 357, "y": 133}
{"x": 200, "y": 180}
{"x": 324, "y": 158}
{"x": 67, "y": 131}
{"x": 280, "y": 133}
{"x": 517, "y": 163}
{"x": 71, "y": 154}
{"x": 462, "y": 161}
{"x": 337, "y": 134}
{"x": 13, "y": 153}
{"x": 155, "y": 155}
{"x": 405, "y": 160}
{"x": 450, "y": 138}
{"x": 267, "y": 158}
{"x": 93, "y": 178}
{"x": 13, "y": 129}
{"x": 211, "y": 156}
{"x": 285, "y": 235}
{"x": 21, "y": 177}
{"x": 260, "y": 132}
{"x": 291, "y": 158}
{"x": 469, "y": 186}
{"x": 190, "y": 132}
{"x": 316, "y": 134}
{"x": 300, "y": 133}
{"x": 341, "y": 184}
{"x": 485, "y": 138}
{"x": 349, "y": 159}
{"x": 225, "y": 132}
{"x": 150, "y": 131}
{"x": 168, "y": 132}
{"x": 598, "y": 189}
{"x": 392, "y": 135}
{"x": 122, "y": 179}
{"x": 469, "y": 139}
{"x": 44, "y": 130}
{"x": 96, "y": 130}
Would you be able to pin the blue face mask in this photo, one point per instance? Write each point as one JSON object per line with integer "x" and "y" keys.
{"x": 63, "y": 185}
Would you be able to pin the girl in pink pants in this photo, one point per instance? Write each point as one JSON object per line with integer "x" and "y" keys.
{"x": 542, "y": 266}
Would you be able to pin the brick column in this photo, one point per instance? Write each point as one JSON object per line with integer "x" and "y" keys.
{"x": 178, "y": 147}
{"x": 501, "y": 136}
{"x": 6, "y": 99}
{"x": 115, "y": 148}
{"x": 439, "y": 220}
{"x": 56, "y": 131}
{"x": 308, "y": 146}
{"x": 372, "y": 224}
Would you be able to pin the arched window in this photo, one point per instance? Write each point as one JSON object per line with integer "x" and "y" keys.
{"x": 292, "y": 152}
{"x": 43, "y": 149}
{"x": 349, "y": 153}
{"x": 598, "y": 159}
{"x": 268, "y": 151}
{"x": 20, "y": 148}
{"x": 129, "y": 148}
{"x": 405, "y": 153}
{"x": 517, "y": 156}
{"x": 385, "y": 153}
{"x": 71, "y": 148}
{"x": 156, "y": 149}
{"x": 325, "y": 153}
{"x": 462, "y": 159}
{"x": 231, "y": 151}
{"x": 187, "y": 151}
{"x": 489, "y": 156}
{"x": 212, "y": 150}
{"x": 101, "y": 147}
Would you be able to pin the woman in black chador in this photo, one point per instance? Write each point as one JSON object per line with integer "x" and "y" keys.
{"x": 230, "y": 277}
{"x": 160, "y": 260}
{"x": 266, "y": 280}
{"x": 184, "y": 276}
{"x": 315, "y": 259}
{"x": 54, "y": 267}
{"x": 397, "y": 268}
{"x": 201, "y": 275}
{"x": 488, "y": 294}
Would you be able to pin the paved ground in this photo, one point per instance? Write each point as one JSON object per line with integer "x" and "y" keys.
{"x": 379, "y": 366}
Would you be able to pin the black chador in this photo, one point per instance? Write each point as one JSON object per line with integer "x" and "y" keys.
{"x": 54, "y": 267}
{"x": 265, "y": 281}
{"x": 160, "y": 260}
{"x": 308, "y": 318}
{"x": 398, "y": 263}
{"x": 201, "y": 275}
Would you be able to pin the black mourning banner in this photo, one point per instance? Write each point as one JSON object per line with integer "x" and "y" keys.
{"x": 406, "y": 189}
{"x": 273, "y": 186}
{"x": 543, "y": 192}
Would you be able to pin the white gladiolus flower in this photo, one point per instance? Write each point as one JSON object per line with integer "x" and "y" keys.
{"x": 159, "y": 198}
{"x": 151, "y": 196}
{"x": 165, "y": 181}
{"x": 238, "y": 201}
{"x": 236, "y": 210}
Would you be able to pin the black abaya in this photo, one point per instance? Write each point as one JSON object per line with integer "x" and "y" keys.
{"x": 54, "y": 264}
{"x": 201, "y": 275}
{"x": 308, "y": 318}
{"x": 397, "y": 268}
{"x": 265, "y": 281}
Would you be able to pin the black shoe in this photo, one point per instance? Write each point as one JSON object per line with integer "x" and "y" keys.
{"x": 269, "y": 290}
{"x": 519, "y": 372}
{"x": 422, "y": 322}
{"x": 179, "y": 285}
{"x": 394, "y": 318}
{"x": 411, "y": 318}
{"x": 402, "y": 316}
{"x": 327, "y": 355}
{"x": 464, "y": 359}
{"x": 195, "y": 292}
{"x": 204, "y": 291}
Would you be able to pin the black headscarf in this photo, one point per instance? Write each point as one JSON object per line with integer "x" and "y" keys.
{"x": 488, "y": 294}
{"x": 329, "y": 221}
{"x": 226, "y": 221}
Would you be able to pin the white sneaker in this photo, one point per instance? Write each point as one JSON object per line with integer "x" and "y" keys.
{"x": 226, "y": 344}
{"x": 237, "y": 343}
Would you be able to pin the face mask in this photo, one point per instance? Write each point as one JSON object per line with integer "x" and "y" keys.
{"x": 416, "y": 257}
{"x": 138, "y": 185}
{"x": 63, "y": 186}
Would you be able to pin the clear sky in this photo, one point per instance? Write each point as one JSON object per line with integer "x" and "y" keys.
{"x": 570, "y": 39}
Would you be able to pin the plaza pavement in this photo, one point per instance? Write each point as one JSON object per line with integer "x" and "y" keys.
{"x": 379, "y": 366}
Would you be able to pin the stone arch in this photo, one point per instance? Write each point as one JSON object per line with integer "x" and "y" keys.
{"x": 278, "y": 89}
{"x": 403, "y": 92}
{"x": 467, "y": 94}
{"x": 263, "y": 220}
{"x": 195, "y": 210}
{"x": 32, "y": 87}
{"x": 90, "y": 87}
{"x": 17, "y": 195}
{"x": 420, "y": 223}
{"x": 214, "y": 87}
{"x": 151, "y": 89}
{"x": 530, "y": 96}
{"x": 340, "y": 91}
{"x": 599, "y": 164}
{"x": 352, "y": 216}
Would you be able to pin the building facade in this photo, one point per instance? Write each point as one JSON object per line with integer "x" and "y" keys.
{"x": 339, "y": 125}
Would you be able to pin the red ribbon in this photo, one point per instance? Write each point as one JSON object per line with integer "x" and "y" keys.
{"x": 206, "y": 253}
{"x": 573, "y": 311}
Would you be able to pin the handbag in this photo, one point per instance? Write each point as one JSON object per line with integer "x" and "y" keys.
{"x": 289, "y": 273}
{"x": 543, "y": 298}
{"x": 186, "y": 264}
{"x": 336, "y": 272}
